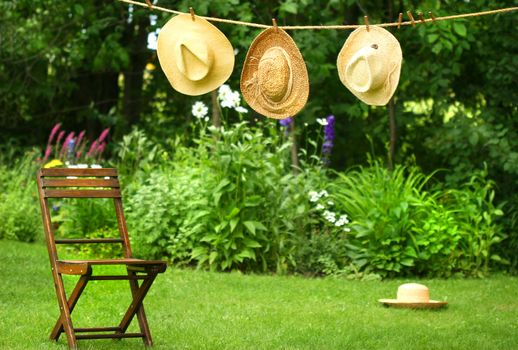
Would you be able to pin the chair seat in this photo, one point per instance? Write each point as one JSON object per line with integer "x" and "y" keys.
{"x": 81, "y": 267}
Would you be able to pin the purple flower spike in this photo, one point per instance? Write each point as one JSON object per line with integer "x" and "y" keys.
{"x": 329, "y": 137}
{"x": 286, "y": 122}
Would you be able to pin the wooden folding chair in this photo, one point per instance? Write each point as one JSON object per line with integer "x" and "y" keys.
{"x": 93, "y": 183}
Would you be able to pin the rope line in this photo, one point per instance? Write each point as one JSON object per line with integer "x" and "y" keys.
{"x": 321, "y": 27}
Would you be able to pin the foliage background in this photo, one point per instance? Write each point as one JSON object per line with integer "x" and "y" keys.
{"x": 87, "y": 65}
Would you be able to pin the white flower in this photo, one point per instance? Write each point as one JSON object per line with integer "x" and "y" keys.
{"x": 322, "y": 121}
{"x": 323, "y": 193}
{"x": 199, "y": 110}
{"x": 330, "y": 203}
{"x": 223, "y": 91}
{"x": 329, "y": 216}
{"x": 320, "y": 207}
{"x": 344, "y": 219}
{"x": 228, "y": 98}
{"x": 313, "y": 196}
{"x": 236, "y": 51}
{"x": 347, "y": 229}
{"x": 241, "y": 109}
{"x": 206, "y": 119}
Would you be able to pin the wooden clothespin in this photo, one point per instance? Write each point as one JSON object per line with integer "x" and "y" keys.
{"x": 149, "y": 4}
{"x": 191, "y": 10}
{"x": 366, "y": 19}
{"x": 409, "y": 13}
{"x": 421, "y": 17}
{"x": 431, "y": 16}
{"x": 399, "y": 20}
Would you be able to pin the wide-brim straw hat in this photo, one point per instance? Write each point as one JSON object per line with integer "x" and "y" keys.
{"x": 414, "y": 296}
{"x": 274, "y": 80}
{"x": 195, "y": 56}
{"x": 369, "y": 64}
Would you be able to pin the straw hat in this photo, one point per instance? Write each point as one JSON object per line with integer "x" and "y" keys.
{"x": 413, "y": 295}
{"x": 195, "y": 56}
{"x": 369, "y": 64}
{"x": 274, "y": 81}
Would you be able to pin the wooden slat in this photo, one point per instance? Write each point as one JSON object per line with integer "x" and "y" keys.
{"x": 117, "y": 277}
{"x": 68, "y": 268}
{"x": 87, "y": 241}
{"x": 96, "y": 329}
{"x": 78, "y": 172}
{"x": 80, "y": 182}
{"x": 82, "y": 193}
{"x": 124, "y": 261}
{"x": 108, "y": 336}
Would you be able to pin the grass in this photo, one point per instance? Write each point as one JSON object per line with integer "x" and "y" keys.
{"x": 201, "y": 310}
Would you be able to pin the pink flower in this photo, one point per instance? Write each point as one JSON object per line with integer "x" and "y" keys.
{"x": 60, "y": 136}
{"x": 80, "y": 138}
{"x": 48, "y": 151}
{"x": 92, "y": 149}
{"x": 53, "y": 132}
{"x": 100, "y": 148}
{"x": 103, "y": 135}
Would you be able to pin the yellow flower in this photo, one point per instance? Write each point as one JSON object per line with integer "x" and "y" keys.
{"x": 150, "y": 67}
{"x": 53, "y": 163}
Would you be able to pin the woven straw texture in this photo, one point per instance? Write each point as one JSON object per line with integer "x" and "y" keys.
{"x": 374, "y": 54}
{"x": 274, "y": 80}
{"x": 195, "y": 56}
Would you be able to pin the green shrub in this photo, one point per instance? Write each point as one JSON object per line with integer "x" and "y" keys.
{"x": 401, "y": 228}
{"x": 231, "y": 202}
{"x": 20, "y": 217}
{"x": 479, "y": 222}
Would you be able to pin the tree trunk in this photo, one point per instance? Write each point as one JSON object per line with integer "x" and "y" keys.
{"x": 393, "y": 133}
{"x": 294, "y": 148}
{"x": 216, "y": 113}
{"x": 391, "y": 108}
{"x": 136, "y": 41}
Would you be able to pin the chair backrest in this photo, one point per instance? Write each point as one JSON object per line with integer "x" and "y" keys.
{"x": 81, "y": 183}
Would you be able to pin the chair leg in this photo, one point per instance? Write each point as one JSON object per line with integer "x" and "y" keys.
{"x": 141, "y": 314}
{"x": 72, "y": 301}
{"x": 65, "y": 318}
{"x": 138, "y": 294}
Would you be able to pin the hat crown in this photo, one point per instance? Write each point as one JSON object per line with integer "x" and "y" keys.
{"x": 365, "y": 70}
{"x": 194, "y": 58}
{"x": 369, "y": 64}
{"x": 413, "y": 292}
{"x": 274, "y": 74}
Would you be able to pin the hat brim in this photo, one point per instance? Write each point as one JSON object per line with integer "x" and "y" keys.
{"x": 431, "y": 304}
{"x": 221, "y": 48}
{"x": 298, "y": 96}
{"x": 390, "y": 52}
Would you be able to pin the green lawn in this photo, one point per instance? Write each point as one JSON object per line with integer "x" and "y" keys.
{"x": 202, "y": 310}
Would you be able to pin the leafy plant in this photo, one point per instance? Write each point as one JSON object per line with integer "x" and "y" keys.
{"x": 20, "y": 217}
{"x": 478, "y": 218}
{"x": 229, "y": 203}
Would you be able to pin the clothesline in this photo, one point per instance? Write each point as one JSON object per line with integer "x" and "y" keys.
{"x": 399, "y": 23}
